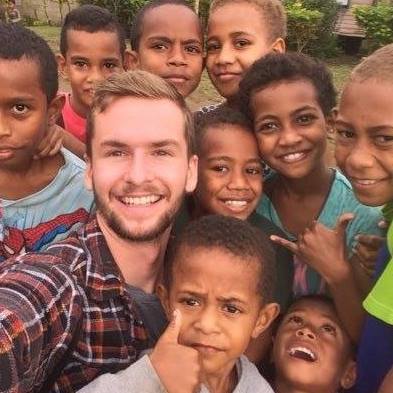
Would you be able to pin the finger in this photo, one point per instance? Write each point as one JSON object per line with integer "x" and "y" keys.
{"x": 372, "y": 241}
{"x": 291, "y": 246}
{"x": 342, "y": 223}
{"x": 365, "y": 255}
{"x": 171, "y": 333}
{"x": 56, "y": 148}
{"x": 383, "y": 224}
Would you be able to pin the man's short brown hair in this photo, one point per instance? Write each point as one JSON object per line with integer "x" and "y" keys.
{"x": 272, "y": 12}
{"x": 138, "y": 84}
{"x": 377, "y": 66}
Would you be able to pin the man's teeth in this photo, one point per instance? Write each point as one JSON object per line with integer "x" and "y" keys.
{"x": 302, "y": 350}
{"x": 236, "y": 203}
{"x": 140, "y": 201}
{"x": 293, "y": 157}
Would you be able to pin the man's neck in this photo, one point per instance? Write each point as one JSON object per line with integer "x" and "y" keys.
{"x": 139, "y": 262}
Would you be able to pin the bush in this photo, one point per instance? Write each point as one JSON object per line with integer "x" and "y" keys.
{"x": 377, "y": 22}
{"x": 310, "y": 26}
{"x": 124, "y": 10}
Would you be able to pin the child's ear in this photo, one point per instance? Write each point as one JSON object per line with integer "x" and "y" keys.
{"x": 349, "y": 376}
{"x": 330, "y": 120}
{"x": 163, "y": 295}
{"x": 61, "y": 64}
{"x": 266, "y": 316}
{"x": 54, "y": 109}
{"x": 278, "y": 46}
{"x": 131, "y": 62}
{"x": 192, "y": 174}
{"x": 127, "y": 61}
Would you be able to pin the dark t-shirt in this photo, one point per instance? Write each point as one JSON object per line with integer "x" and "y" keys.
{"x": 151, "y": 312}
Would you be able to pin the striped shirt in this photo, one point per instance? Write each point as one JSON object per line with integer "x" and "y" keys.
{"x": 71, "y": 293}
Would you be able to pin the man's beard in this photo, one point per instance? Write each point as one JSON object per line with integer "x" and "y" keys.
{"x": 115, "y": 223}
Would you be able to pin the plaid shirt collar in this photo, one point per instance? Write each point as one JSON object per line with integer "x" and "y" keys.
{"x": 103, "y": 277}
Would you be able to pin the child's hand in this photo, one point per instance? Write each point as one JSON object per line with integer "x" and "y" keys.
{"x": 366, "y": 251}
{"x": 322, "y": 248}
{"x": 51, "y": 143}
{"x": 176, "y": 365}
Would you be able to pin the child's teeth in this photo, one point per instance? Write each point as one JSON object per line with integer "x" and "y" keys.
{"x": 140, "y": 201}
{"x": 293, "y": 156}
{"x": 236, "y": 203}
{"x": 366, "y": 182}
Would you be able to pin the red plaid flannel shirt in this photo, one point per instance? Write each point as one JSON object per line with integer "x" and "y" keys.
{"x": 42, "y": 298}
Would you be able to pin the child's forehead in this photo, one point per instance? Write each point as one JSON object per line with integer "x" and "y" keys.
{"x": 79, "y": 39}
{"x": 315, "y": 308}
{"x": 170, "y": 15}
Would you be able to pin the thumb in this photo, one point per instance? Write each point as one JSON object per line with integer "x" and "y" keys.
{"x": 342, "y": 223}
{"x": 171, "y": 333}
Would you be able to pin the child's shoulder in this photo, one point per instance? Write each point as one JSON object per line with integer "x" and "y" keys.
{"x": 250, "y": 380}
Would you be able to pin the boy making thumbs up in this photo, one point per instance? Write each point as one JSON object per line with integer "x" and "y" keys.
{"x": 218, "y": 285}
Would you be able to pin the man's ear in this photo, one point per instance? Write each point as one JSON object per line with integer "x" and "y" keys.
{"x": 278, "y": 46}
{"x": 192, "y": 174}
{"x": 348, "y": 378}
{"x": 131, "y": 60}
{"x": 266, "y": 316}
{"x": 61, "y": 64}
{"x": 54, "y": 109}
{"x": 163, "y": 295}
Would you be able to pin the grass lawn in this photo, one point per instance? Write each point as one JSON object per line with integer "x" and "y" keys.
{"x": 205, "y": 94}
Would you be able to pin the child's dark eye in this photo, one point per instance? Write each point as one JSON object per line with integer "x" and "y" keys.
{"x": 213, "y": 46}
{"x": 345, "y": 134}
{"x": 295, "y": 319}
{"x": 231, "y": 309}
{"x": 253, "y": 171}
{"x": 20, "y": 109}
{"x": 193, "y": 49}
{"x": 266, "y": 128}
{"x": 242, "y": 43}
{"x": 110, "y": 65}
{"x": 80, "y": 64}
{"x": 191, "y": 302}
{"x": 159, "y": 46}
{"x": 305, "y": 119}
{"x": 383, "y": 140}
{"x": 327, "y": 328}
{"x": 220, "y": 168}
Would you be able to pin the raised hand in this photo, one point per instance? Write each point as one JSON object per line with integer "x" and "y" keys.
{"x": 322, "y": 248}
{"x": 177, "y": 366}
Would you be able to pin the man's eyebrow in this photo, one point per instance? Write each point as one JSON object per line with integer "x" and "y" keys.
{"x": 165, "y": 143}
{"x": 113, "y": 143}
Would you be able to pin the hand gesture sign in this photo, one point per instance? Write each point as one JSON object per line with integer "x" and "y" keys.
{"x": 322, "y": 248}
{"x": 177, "y": 366}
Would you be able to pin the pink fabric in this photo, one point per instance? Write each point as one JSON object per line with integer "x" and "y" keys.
{"x": 73, "y": 123}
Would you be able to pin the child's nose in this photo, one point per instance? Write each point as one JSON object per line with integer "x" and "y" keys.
{"x": 177, "y": 56}
{"x": 289, "y": 136}
{"x": 237, "y": 181}
{"x": 225, "y": 55}
{"x": 207, "y": 321}
{"x": 5, "y": 129}
{"x": 360, "y": 157}
{"x": 305, "y": 332}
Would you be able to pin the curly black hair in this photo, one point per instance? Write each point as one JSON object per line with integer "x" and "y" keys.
{"x": 232, "y": 235}
{"x": 17, "y": 42}
{"x": 218, "y": 117}
{"x": 279, "y": 67}
{"x": 92, "y": 19}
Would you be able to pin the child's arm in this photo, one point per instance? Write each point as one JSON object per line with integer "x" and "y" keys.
{"x": 54, "y": 139}
{"x": 324, "y": 250}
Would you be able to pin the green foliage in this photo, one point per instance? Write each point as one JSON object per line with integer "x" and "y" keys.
{"x": 303, "y": 25}
{"x": 125, "y": 10}
{"x": 310, "y": 26}
{"x": 377, "y": 22}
